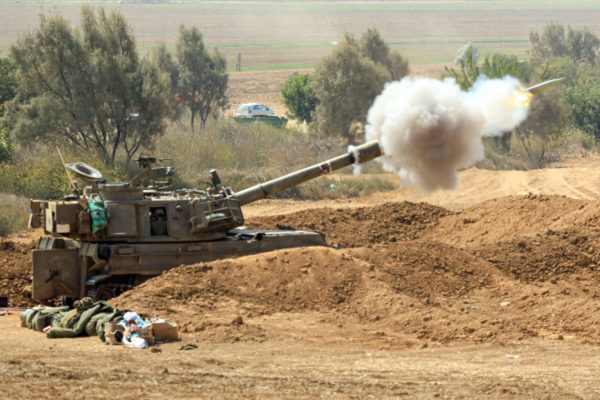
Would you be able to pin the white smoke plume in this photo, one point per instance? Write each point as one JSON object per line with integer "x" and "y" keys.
{"x": 428, "y": 129}
{"x": 356, "y": 167}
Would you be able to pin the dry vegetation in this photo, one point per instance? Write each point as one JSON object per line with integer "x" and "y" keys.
{"x": 247, "y": 154}
{"x": 13, "y": 215}
{"x": 243, "y": 154}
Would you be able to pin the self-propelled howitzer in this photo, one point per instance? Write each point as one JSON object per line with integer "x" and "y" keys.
{"x": 109, "y": 237}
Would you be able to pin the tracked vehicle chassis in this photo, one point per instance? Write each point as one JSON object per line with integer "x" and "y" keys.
{"x": 103, "y": 270}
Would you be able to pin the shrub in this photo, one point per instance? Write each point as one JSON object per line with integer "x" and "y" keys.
{"x": 256, "y": 151}
{"x": 298, "y": 97}
{"x": 13, "y": 213}
{"x": 7, "y": 147}
{"x": 245, "y": 155}
{"x": 37, "y": 172}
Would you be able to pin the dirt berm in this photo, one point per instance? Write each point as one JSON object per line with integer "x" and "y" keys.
{"x": 15, "y": 271}
{"x": 408, "y": 275}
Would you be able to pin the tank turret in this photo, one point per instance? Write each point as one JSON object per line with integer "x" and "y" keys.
{"x": 108, "y": 237}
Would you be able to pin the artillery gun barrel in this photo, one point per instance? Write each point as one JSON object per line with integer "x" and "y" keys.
{"x": 358, "y": 155}
{"x": 540, "y": 87}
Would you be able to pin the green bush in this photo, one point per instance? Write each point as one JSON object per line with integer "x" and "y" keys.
{"x": 7, "y": 147}
{"x": 495, "y": 66}
{"x": 582, "y": 103}
{"x": 43, "y": 178}
{"x": 298, "y": 97}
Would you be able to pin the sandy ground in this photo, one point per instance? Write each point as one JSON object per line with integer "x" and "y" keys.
{"x": 35, "y": 367}
{"x": 488, "y": 291}
{"x": 576, "y": 177}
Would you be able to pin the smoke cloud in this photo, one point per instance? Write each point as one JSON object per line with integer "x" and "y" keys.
{"x": 356, "y": 167}
{"x": 428, "y": 129}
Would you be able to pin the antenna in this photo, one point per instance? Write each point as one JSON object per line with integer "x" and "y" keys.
{"x": 71, "y": 183}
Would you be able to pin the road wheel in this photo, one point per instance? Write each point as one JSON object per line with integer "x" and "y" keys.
{"x": 101, "y": 292}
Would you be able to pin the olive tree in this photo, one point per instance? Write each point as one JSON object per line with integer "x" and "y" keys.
{"x": 88, "y": 86}
{"x": 556, "y": 41}
{"x": 347, "y": 81}
{"x": 201, "y": 77}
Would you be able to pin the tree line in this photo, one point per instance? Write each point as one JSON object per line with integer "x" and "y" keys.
{"x": 346, "y": 82}
{"x": 571, "y": 108}
{"x": 90, "y": 87}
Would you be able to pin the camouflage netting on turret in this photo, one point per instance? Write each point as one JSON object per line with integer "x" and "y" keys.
{"x": 85, "y": 318}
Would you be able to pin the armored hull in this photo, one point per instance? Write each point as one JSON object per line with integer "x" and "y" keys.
{"x": 112, "y": 236}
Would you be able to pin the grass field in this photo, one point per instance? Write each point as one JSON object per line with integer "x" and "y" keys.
{"x": 296, "y": 34}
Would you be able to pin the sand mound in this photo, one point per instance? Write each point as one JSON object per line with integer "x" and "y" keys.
{"x": 411, "y": 274}
{"x": 546, "y": 256}
{"x": 360, "y": 226}
{"x": 15, "y": 273}
{"x": 283, "y": 280}
{"x": 402, "y": 294}
{"x": 211, "y": 299}
{"x": 533, "y": 237}
{"x": 502, "y": 219}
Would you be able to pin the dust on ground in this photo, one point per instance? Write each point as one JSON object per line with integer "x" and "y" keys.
{"x": 499, "y": 298}
{"x": 40, "y": 368}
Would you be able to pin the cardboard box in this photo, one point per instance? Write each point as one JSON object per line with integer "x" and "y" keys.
{"x": 147, "y": 334}
{"x": 165, "y": 330}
